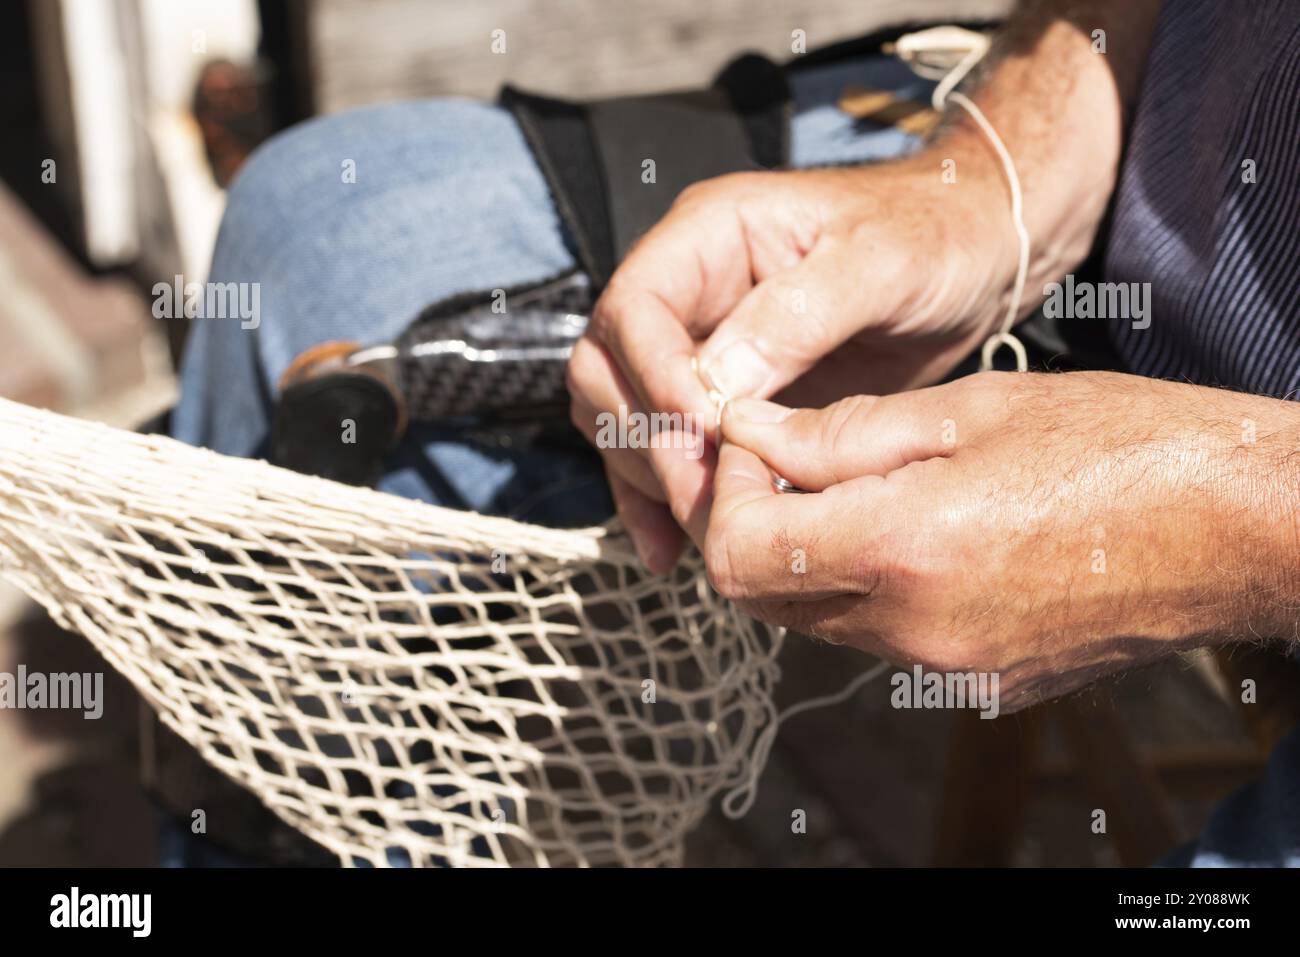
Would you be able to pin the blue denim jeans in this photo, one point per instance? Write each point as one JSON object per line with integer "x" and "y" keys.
{"x": 448, "y": 199}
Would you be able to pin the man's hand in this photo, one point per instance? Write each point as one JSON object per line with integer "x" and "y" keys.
{"x": 1050, "y": 528}
{"x": 834, "y": 282}
{"x": 826, "y": 281}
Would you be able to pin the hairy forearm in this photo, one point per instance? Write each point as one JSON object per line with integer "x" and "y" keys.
{"x": 1061, "y": 108}
{"x": 1261, "y": 510}
{"x": 1224, "y": 536}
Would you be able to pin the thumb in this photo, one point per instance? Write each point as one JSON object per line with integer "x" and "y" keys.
{"x": 817, "y": 448}
{"x": 781, "y": 328}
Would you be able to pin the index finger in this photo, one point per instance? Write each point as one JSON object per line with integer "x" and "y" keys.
{"x": 649, "y": 341}
{"x": 670, "y": 287}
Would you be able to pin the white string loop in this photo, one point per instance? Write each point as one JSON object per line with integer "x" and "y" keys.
{"x": 740, "y": 799}
{"x": 954, "y": 40}
{"x": 911, "y": 48}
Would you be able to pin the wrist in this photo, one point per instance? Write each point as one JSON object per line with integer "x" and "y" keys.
{"x": 1057, "y": 108}
{"x": 971, "y": 193}
{"x": 1269, "y": 508}
{"x": 1249, "y": 482}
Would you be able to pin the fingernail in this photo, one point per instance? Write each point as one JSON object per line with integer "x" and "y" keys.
{"x": 758, "y": 410}
{"x": 739, "y": 370}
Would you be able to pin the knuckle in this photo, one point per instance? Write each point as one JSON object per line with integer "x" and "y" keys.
{"x": 927, "y": 628}
{"x": 817, "y": 325}
{"x": 866, "y": 236}
{"x": 788, "y": 298}
{"x": 720, "y": 563}
{"x": 583, "y": 368}
{"x": 988, "y": 393}
{"x": 943, "y": 653}
{"x": 708, "y": 190}
{"x": 692, "y": 194}
{"x": 744, "y": 182}
{"x": 607, "y": 314}
{"x": 993, "y": 385}
{"x": 842, "y": 420}
{"x": 729, "y": 191}
{"x": 990, "y": 380}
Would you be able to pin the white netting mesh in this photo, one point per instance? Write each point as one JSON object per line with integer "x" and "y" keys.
{"x": 357, "y": 661}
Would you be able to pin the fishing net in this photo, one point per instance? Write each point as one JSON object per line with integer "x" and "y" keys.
{"x": 402, "y": 683}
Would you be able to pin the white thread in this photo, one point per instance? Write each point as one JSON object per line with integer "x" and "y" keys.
{"x": 741, "y": 798}
{"x": 717, "y": 396}
{"x": 952, "y": 39}
{"x": 747, "y": 791}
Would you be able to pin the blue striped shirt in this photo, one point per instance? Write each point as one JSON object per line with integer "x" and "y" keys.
{"x": 1208, "y": 203}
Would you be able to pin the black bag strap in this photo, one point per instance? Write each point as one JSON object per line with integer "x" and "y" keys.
{"x": 594, "y": 155}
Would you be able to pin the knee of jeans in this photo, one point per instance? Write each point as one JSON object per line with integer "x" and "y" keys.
{"x": 300, "y": 174}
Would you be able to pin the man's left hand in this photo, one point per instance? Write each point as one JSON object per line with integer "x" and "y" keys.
{"x": 1048, "y": 527}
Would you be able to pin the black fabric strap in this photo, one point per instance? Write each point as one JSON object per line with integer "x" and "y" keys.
{"x": 652, "y": 148}
{"x": 594, "y": 155}
{"x": 559, "y": 135}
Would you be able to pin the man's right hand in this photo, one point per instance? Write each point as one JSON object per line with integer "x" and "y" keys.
{"x": 819, "y": 284}
{"x": 815, "y": 284}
